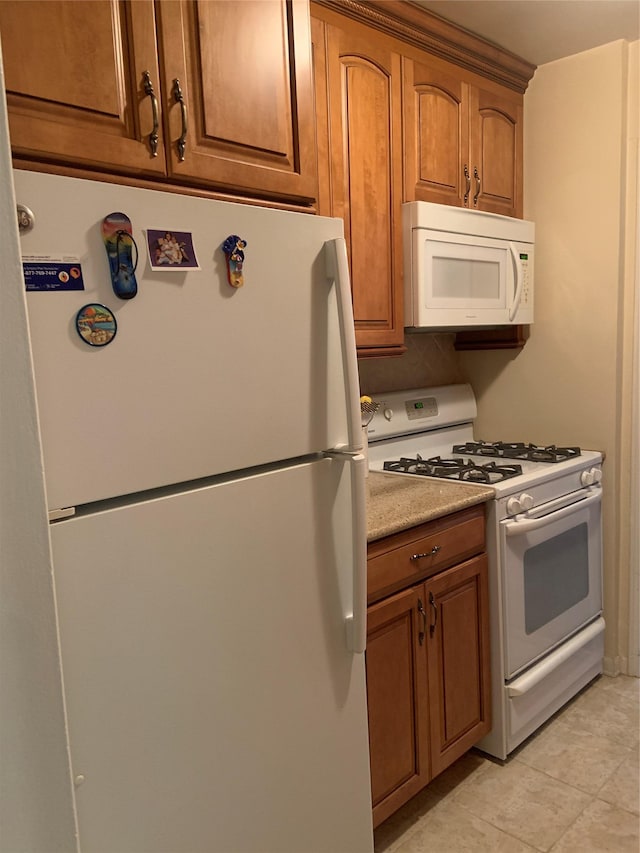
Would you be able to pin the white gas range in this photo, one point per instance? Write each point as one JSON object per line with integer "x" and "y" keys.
{"x": 544, "y": 544}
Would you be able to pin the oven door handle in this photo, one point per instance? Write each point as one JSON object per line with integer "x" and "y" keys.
{"x": 560, "y": 503}
{"x": 524, "y": 683}
{"x": 526, "y": 525}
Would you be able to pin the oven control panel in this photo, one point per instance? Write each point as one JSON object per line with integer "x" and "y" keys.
{"x": 423, "y": 407}
{"x": 420, "y": 410}
{"x": 555, "y": 488}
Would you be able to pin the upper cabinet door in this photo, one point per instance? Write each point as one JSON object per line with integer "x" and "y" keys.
{"x": 463, "y": 144}
{"x": 436, "y": 115}
{"x": 496, "y": 151}
{"x": 239, "y": 96}
{"x": 79, "y": 77}
{"x": 365, "y": 129}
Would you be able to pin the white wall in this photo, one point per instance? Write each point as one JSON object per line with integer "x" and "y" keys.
{"x": 630, "y": 433}
{"x": 566, "y": 385}
{"x": 36, "y": 811}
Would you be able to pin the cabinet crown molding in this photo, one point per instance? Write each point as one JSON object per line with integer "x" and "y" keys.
{"x": 411, "y": 23}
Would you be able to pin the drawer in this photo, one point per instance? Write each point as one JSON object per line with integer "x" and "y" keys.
{"x": 411, "y": 555}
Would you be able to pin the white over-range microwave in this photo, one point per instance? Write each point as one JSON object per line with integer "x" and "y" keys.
{"x": 466, "y": 267}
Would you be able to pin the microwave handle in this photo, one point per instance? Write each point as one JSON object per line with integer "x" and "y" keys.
{"x": 515, "y": 254}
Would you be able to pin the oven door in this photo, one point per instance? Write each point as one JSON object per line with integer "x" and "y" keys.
{"x": 551, "y": 561}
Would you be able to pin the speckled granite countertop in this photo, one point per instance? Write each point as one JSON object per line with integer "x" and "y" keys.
{"x": 395, "y": 503}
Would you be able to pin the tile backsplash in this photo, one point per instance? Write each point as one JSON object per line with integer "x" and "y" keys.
{"x": 430, "y": 360}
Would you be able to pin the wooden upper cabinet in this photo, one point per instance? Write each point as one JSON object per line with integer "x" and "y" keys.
{"x": 74, "y": 75}
{"x": 496, "y": 151}
{"x": 436, "y": 115}
{"x": 463, "y": 143}
{"x": 365, "y": 132}
{"x": 216, "y": 93}
{"x": 320, "y": 79}
{"x": 238, "y": 87}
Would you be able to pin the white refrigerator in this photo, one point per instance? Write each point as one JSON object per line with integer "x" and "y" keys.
{"x": 207, "y": 505}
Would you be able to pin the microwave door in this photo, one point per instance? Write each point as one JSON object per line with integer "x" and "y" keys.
{"x": 466, "y": 268}
{"x": 461, "y": 282}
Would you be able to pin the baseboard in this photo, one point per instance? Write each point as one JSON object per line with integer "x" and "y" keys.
{"x": 618, "y": 665}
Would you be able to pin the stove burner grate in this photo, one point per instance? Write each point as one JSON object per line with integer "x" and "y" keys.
{"x": 517, "y": 450}
{"x": 454, "y": 469}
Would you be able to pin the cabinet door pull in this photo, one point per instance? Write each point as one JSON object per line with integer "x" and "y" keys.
{"x": 153, "y": 136}
{"x": 467, "y": 178}
{"x": 430, "y": 553}
{"x": 432, "y": 627}
{"x": 178, "y": 97}
{"x": 476, "y": 175}
{"x": 423, "y": 613}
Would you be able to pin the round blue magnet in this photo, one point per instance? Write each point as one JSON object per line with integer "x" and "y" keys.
{"x": 96, "y": 324}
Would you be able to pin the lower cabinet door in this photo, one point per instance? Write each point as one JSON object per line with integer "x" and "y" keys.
{"x": 458, "y": 661}
{"x": 397, "y": 700}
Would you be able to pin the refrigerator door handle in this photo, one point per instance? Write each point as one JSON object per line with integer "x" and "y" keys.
{"x": 356, "y": 622}
{"x": 338, "y": 271}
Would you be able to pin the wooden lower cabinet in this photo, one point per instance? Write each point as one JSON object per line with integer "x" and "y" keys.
{"x": 428, "y": 671}
{"x": 397, "y": 700}
{"x": 458, "y": 667}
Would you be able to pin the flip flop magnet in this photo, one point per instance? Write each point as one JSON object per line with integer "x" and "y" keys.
{"x": 119, "y": 243}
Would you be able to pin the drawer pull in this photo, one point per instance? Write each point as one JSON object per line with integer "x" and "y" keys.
{"x": 430, "y": 553}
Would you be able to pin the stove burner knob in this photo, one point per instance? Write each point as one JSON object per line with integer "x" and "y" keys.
{"x": 388, "y": 413}
{"x": 520, "y": 504}
{"x": 593, "y": 475}
{"x": 526, "y": 501}
{"x": 513, "y": 506}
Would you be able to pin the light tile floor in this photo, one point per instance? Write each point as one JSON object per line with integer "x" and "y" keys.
{"x": 572, "y": 787}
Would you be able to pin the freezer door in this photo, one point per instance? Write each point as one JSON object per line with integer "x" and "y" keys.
{"x": 213, "y": 704}
{"x": 201, "y": 377}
